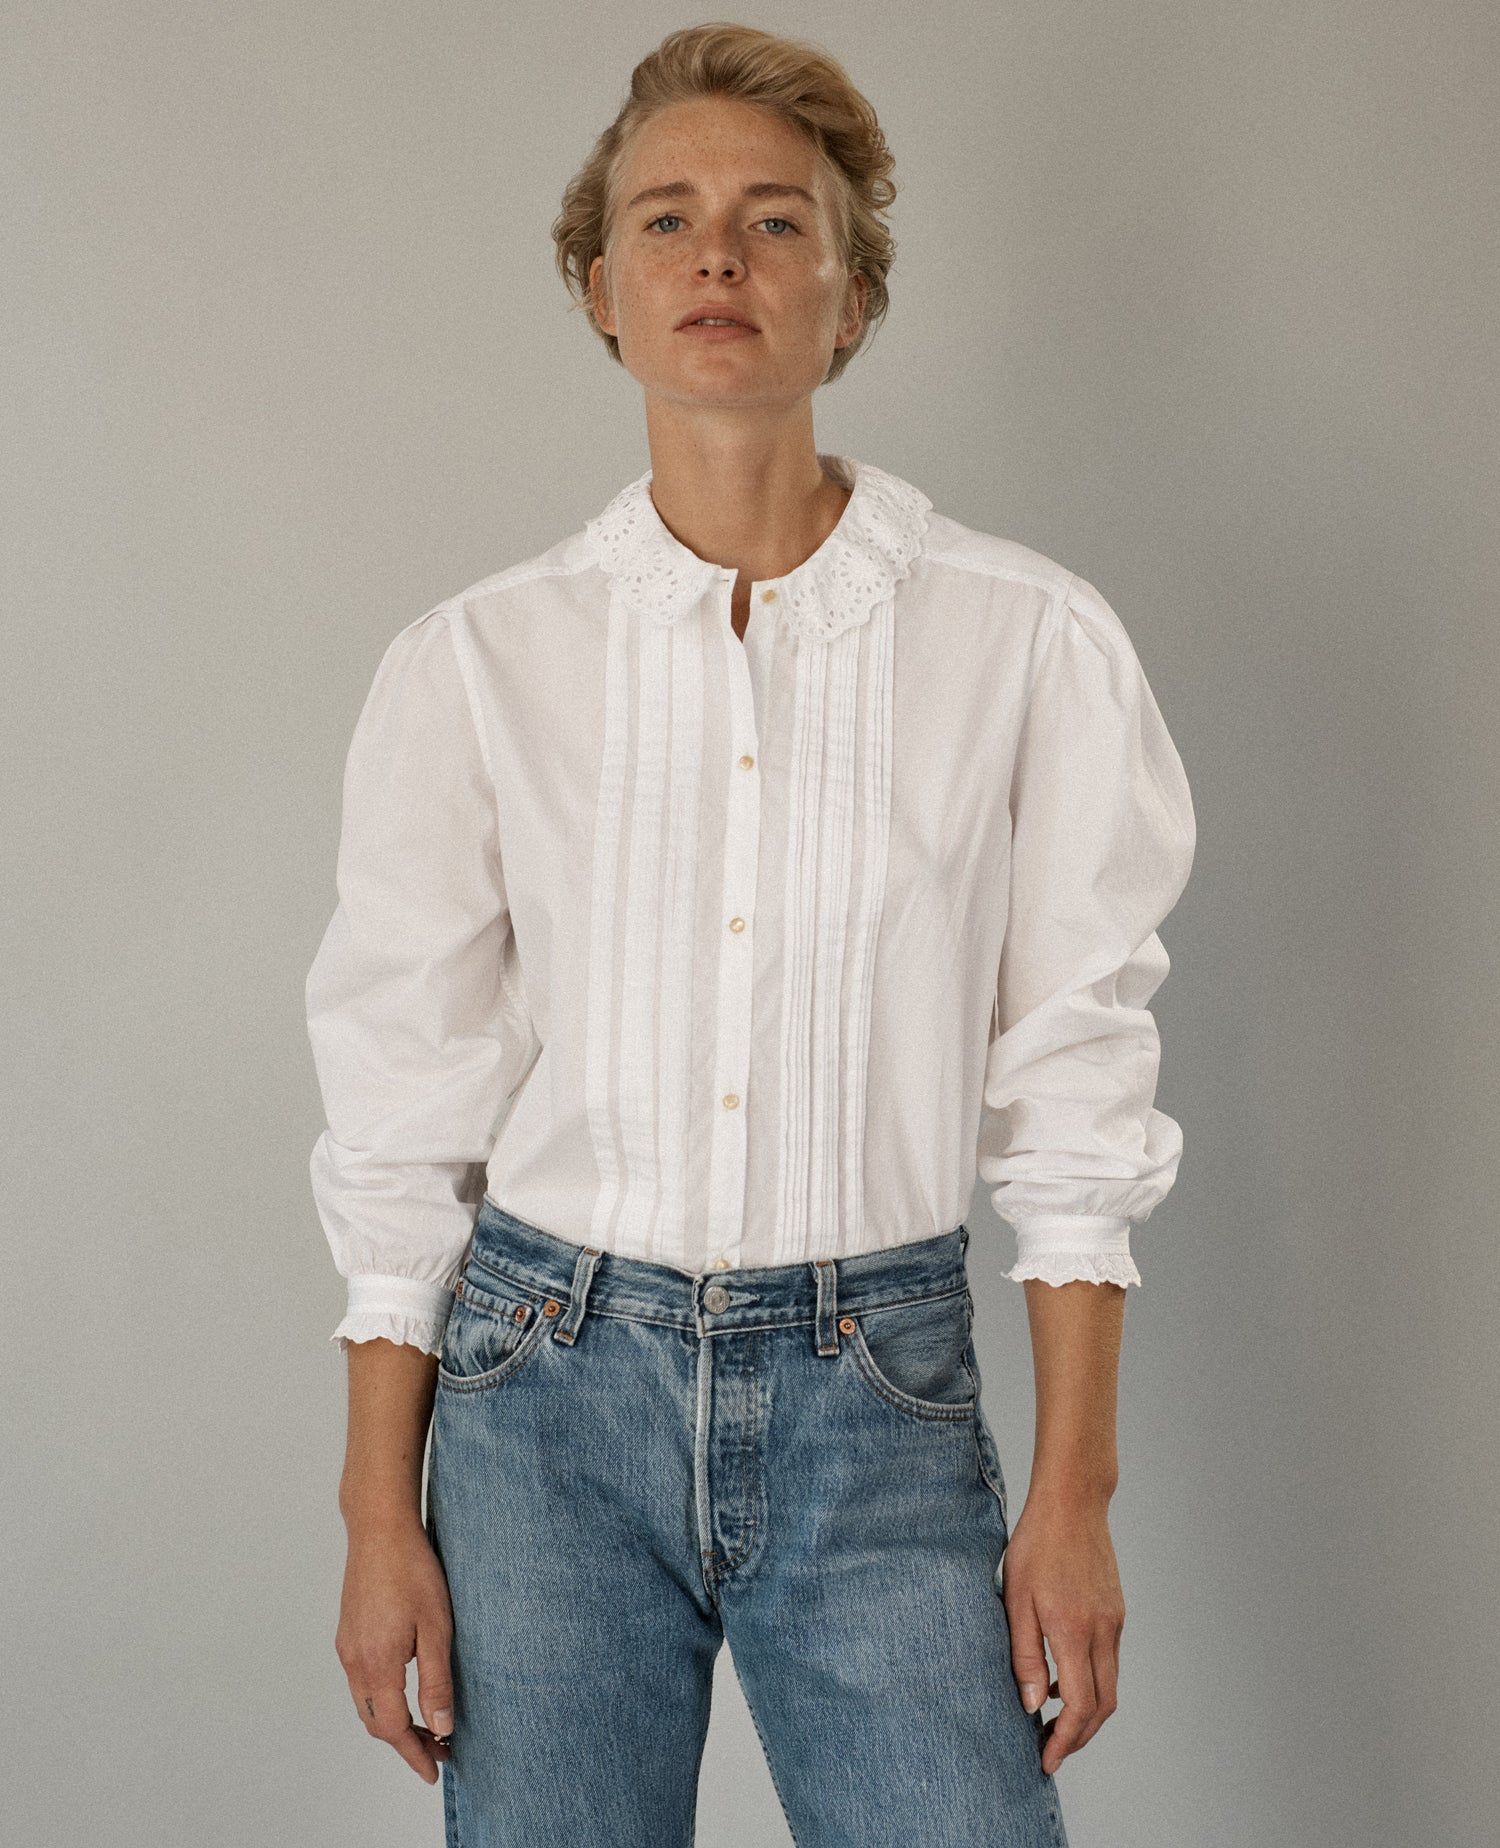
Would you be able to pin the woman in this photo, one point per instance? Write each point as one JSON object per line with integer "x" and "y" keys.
{"x": 756, "y": 859}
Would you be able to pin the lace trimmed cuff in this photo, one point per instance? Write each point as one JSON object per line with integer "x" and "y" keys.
{"x": 400, "y": 1309}
{"x": 1063, "y": 1248}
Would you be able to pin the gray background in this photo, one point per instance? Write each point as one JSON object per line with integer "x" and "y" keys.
{"x": 1200, "y": 299}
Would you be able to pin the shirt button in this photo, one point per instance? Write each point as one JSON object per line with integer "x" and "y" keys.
{"x": 721, "y": 1264}
{"x": 736, "y": 923}
{"x": 768, "y": 596}
{"x": 730, "y": 1100}
{"x": 747, "y": 763}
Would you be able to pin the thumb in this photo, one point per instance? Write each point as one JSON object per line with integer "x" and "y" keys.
{"x": 1028, "y": 1657}
{"x": 435, "y": 1678}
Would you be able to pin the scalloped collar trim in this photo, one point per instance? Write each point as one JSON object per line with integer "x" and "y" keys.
{"x": 879, "y": 535}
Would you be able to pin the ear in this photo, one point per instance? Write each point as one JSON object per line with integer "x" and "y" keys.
{"x": 603, "y": 315}
{"x": 854, "y": 310}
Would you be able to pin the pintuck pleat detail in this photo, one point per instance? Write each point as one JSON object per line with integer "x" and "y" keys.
{"x": 643, "y": 1052}
{"x": 874, "y": 797}
{"x": 642, "y": 935}
{"x": 609, "y": 827}
{"x": 840, "y": 773}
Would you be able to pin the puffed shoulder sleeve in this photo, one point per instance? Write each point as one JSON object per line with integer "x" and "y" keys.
{"x": 1102, "y": 840}
{"x": 419, "y": 1031}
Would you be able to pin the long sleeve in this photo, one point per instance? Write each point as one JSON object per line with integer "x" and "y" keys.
{"x": 1103, "y": 835}
{"x": 419, "y": 1032}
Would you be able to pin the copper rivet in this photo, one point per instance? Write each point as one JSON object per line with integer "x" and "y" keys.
{"x": 846, "y": 1323}
{"x": 458, "y": 1288}
{"x": 520, "y": 1314}
{"x": 551, "y": 1307}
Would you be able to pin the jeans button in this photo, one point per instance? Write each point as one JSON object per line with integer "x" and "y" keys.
{"x": 715, "y": 1298}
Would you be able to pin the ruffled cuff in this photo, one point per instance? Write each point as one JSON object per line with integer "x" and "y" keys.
{"x": 1063, "y": 1248}
{"x": 400, "y": 1309}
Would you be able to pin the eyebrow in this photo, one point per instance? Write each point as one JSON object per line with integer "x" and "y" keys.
{"x": 758, "y": 189}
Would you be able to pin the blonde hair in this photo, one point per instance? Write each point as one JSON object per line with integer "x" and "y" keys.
{"x": 798, "y": 81}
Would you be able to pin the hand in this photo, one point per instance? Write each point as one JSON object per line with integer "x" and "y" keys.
{"x": 1061, "y": 1582}
{"x": 396, "y": 1605}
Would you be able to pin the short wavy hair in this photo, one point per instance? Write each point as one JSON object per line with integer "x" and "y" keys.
{"x": 800, "y": 82}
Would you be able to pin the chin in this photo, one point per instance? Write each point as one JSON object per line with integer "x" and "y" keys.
{"x": 699, "y": 385}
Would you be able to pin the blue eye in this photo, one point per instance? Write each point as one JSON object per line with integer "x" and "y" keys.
{"x": 662, "y": 216}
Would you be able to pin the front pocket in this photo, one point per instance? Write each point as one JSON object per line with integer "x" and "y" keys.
{"x": 989, "y": 1463}
{"x": 493, "y": 1330}
{"x": 912, "y": 1355}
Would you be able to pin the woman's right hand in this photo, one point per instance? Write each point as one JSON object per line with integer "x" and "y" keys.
{"x": 396, "y": 1606}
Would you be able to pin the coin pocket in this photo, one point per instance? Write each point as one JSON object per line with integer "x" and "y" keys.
{"x": 492, "y": 1326}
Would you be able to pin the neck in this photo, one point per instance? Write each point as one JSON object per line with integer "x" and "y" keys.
{"x": 755, "y": 502}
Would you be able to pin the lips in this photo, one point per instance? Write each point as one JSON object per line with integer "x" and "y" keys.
{"x": 708, "y": 312}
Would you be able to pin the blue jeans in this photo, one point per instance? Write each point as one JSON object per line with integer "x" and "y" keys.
{"x": 631, "y": 1464}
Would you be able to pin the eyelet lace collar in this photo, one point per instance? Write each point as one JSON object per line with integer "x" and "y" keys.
{"x": 879, "y": 534}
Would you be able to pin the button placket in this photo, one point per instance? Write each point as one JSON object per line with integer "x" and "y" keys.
{"x": 726, "y": 1205}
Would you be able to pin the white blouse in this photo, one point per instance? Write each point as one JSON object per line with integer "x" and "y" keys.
{"x": 723, "y": 953}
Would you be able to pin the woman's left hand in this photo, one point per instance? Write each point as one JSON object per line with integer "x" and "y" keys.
{"x": 1060, "y": 1582}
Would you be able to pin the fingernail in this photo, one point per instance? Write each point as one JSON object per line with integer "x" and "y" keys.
{"x": 442, "y": 1721}
{"x": 1031, "y": 1696}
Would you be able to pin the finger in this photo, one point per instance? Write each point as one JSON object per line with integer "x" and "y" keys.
{"x": 438, "y": 1749}
{"x": 387, "y": 1716}
{"x": 1028, "y": 1654}
{"x": 1102, "y": 1658}
{"x": 1075, "y": 1680}
{"x": 1047, "y": 1725}
{"x": 435, "y": 1674}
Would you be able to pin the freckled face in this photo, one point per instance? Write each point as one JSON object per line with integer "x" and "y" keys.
{"x": 773, "y": 256}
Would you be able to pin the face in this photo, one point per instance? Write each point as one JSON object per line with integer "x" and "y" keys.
{"x": 723, "y": 222}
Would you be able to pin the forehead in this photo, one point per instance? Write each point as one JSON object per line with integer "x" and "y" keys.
{"x": 718, "y": 144}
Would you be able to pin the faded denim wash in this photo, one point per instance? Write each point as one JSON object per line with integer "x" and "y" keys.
{"x": 631, "y": 1465}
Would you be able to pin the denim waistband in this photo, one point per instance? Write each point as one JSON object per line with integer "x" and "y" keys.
{"x": 765, "y": 1296}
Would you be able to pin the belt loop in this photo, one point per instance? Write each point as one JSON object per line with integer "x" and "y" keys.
{"x": 826, "y": 1272}
{"x": 572, "y": 1317}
